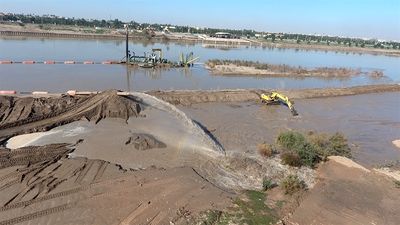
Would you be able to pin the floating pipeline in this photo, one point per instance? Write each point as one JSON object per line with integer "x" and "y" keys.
{"x": 52, "y": 62}
{"x": 107, "y": 62}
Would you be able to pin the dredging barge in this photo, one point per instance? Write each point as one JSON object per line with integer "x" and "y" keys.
{"x": 154, "y": 59}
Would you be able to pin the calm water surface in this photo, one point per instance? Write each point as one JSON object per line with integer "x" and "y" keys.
{"x": 59, "y": 78}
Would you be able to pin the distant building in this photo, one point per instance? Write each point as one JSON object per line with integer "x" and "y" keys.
{"x": 223, "y": 35}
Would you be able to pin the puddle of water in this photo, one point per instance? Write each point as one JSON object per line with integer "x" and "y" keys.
{"x": 69, "y": 133}
{"x": 27, "y": 139}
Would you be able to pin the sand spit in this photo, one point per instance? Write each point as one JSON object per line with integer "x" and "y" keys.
{"x": 251, "y": 68}
{"x": 188, "y": 97}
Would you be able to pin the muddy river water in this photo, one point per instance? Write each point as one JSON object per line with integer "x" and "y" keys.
{"x": 370, "y": 122}
{"x": 59, "y": 78}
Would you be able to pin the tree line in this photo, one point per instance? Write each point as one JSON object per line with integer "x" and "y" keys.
{"x": 274, "y": 37}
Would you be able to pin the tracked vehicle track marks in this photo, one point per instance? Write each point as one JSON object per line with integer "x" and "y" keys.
{"x": 100, "y": 171}
{"x": 83, "y": 173}
{"x": 44, "y": 198}
{"x": 38, "y": 214}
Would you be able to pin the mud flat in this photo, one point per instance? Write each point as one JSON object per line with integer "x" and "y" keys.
{"x": 250, "y": 68}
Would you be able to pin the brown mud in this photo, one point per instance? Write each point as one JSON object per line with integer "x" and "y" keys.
{"x": 144, "y": 142}
{"x": 189, "y": 97}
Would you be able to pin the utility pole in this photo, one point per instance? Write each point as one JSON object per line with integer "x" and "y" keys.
{"x": 126, "y": 44}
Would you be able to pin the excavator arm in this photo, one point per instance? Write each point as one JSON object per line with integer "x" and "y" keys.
{"x": 276, "y": 98}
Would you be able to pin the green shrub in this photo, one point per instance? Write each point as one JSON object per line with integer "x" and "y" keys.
{"x": 292, "y": 184}
{"x": 296, "y": 143}
{"x": 291, "y": 140}
{"x": 333, "y": 145}
{"x": 338, "y": 146}
{"x": 291, "y": 158}
{"x": 313, "y": 148}
{"x": 267, "y": 184}
{"x": 308, "y": 155}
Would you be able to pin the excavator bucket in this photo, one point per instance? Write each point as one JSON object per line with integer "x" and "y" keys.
{"x": 277, "y": 98}
{"x": 294, "y": 112}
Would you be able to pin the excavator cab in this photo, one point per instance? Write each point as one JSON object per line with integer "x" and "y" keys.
{"x": 277, "y": 98}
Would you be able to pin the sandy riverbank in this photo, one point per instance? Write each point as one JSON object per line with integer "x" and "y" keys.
{"x": 334, "y": 48}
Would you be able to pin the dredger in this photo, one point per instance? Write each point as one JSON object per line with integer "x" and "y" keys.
{"x": 277, "y": 98}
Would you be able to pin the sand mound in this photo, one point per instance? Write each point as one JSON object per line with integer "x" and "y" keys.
{"x": 13, "y": 108}
{"x": 144, "y": 142}
{"x": 24, "y": 115}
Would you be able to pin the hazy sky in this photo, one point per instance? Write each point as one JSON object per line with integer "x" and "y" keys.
{"x": 358, "y": 18}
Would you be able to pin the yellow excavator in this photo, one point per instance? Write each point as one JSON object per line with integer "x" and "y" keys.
{"x": 276, "y": 98}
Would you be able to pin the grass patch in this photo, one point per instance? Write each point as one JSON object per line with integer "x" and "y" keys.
{"x": 291, "y": 140}
{"x": 397, "y": 184}
{"x": 254, "y": 211}
{"x": 311, "y": 149}
{"x": 212, "y": 217}
{"x": 292, "y": 184}
{"x": 267, "y": 184}
{"x": 249, "y": 210}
